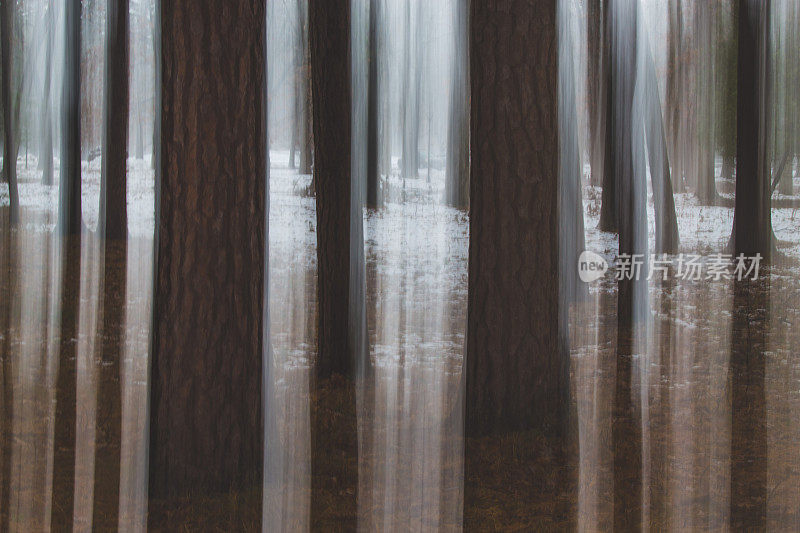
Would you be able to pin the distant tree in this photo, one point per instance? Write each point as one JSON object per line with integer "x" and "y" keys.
{"x": 7, "y": 12}
{"x": 46, "y": 116}
{"x": 113, "y": 218}
{"x": 457, "y": 177}
{"x": 373, "y": 172}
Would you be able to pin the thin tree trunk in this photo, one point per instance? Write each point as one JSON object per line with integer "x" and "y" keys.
{"x": 46, "y": 116}
{"x": 457, "y": 178}
{"x": 206, "y": 369}
{"x": 305, "y": 78}
{"x": 69, "y": 205}
{"x": 113, "y": 218}
{"x": 608, "y": 205}
{"x": 595, "y": 87}
{"x": 10, "y": 139}
{"x": 373, "y": 178}
{"x": 675, "y": 85}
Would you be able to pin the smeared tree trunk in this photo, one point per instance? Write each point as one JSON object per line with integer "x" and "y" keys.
{"x": 139, "y": 136}
{"x": 113, "y": 218}
{"x": 61, "y": 517}
{"x": 675, "y": 85}
{"x": 10, "y": 135}
{"x": 46, "y": 116}
{"x": 108, "y": 434}
{"x": 608, "y": 205}
{"x": 663, "y": 201}
{"x": 69, "y": 203}
{"x": 705, "y": 73}
{"x": 457, "y": 178}
{"x": 305, "y": 93}
{"x": 408, "y": 112}
{"x": 596, "y": 86}
{"x": 752, "y": 221}
{"x": 333, "y": 447}
{"x": 749, "y": 342}
{"x": 206, "y": 428}
{"x": 330, "y": 64}
{"x": 373, "y": 176}
{"x": 9, "y": 260}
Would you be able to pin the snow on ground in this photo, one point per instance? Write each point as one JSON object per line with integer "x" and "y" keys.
{"x": 703, "y": 230}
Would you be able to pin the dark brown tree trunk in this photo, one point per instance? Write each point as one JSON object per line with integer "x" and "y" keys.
{"x": 752, "y": 221}
{"x": 373, "y": 176}
{"x": 705, "y": 67}
{"x": 334, "y": 445}
{"x": 8, "y": 288}
{"x": 7, "y": 9}
{"x": 113, "y": 218}
{"x": 206, "y": 423}
{"x": 329, "y": 31}
{"x": 516, "y": 374}
{"x": 305, "y": 91}
{"x": 108, "y": 435}
{"x": 69, "y": 204}
{"x": 608, "y": 205}
{"x": 457, "y": 178}
{"x": 66, "y": 383}
{"x": 749, "y": 342}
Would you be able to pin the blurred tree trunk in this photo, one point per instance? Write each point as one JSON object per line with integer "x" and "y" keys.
{"x": 595, "y": 86}
{"x": 46, "y": 116}
{"x": 7, "y": 14}
{"x": 108, "y": 433}
{"x": 306, "y": 142}
{"x": 206, "y": 428}
{"x": 329, "y": 31}
{"x": 373, "y": 175}
{"x": 69, "y": 204}
{"x": 457, "y": 178}
{"x": 675, "y": 86}
{"x": 608, "y": 206}
{"x": 752, "y": 221}
{"x": 113, "y": 218}
{"x": 705, "y": 71}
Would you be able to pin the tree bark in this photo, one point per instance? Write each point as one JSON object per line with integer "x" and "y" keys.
{"x": 608, "y": 199}
{"x": 69, "y": 204}
{"x": 206, "y": 423}
{"x": 113, "y": 218}
{"x": 108, "y": 434}
{"x": 10, "y": 140}
{"x": 596, "y": 86}
{"x": 752, "y": 221}
{"x": 457, "y": 178}
{"x": 675, "y": 84}
{"x": 329, "y": 31}
{"x": 517, "y": 376}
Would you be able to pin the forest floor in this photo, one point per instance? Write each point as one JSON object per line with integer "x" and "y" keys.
{"x": 407, "y": 469}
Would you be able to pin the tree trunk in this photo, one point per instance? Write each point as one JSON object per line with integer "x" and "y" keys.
{"x": 516, "y": 372}
{"x": 10, "y": 139}
{"x": 108, "y": 434}
{"x": 457, "y": 178}
{"x": 69, "y": 204}
{"x": 595, "y": 86}
{"x": 705, "y": 71}
{"x": 410, "y": 125}
{"x": 113, "y": 218}
{"x": 62, "y": 517}
{"x": 206, "y": 429}
{"x": 675, "y": 85}
{"x": 752, "y": 220}
{"x": 305, "y": 94}
{"x": 46, "y": 116}
{"x": 329, "y": 31}
{"x": 608, "y": 199}
{"x": 663, "y": 200}
{"x": 373, "y": 176}
{"x": 749, "y": 341}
